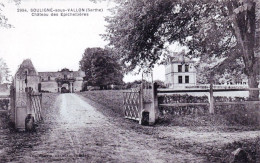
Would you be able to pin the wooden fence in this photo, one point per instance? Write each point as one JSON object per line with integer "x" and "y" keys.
{"x": 137, "y": 106}
{"x": 210, "y": 90}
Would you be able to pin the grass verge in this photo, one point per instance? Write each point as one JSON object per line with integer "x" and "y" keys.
{"x": 227, "y": 121}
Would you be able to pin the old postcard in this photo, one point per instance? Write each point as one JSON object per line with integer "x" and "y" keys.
{"x": 129, "y": 81}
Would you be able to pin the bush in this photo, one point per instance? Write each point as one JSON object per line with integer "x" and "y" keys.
{"x": 252, "y": 147}
{"x": 230, "y": 114}
{"x": 4, "y": 104}
{"x": 44, "y": 91}
{"x": 111, "y": 99}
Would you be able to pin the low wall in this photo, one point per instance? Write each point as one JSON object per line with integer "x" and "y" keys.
{"x": 233, "y": 114}
{"x": 77, "y": 86}
{"x": 49, "y": 86}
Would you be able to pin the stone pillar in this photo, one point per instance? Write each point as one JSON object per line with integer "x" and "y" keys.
{"x": 59, "y": 87}
{"x": 149, "y": 109}
{"x": 155, "y": 111}
{"x": 69, "y": 87}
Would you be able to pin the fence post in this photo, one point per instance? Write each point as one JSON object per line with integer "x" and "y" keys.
{"x": 28, "y": 103}
{"x": 211, "y": 99}
{"x": 12, "y": 103}
{"x": 41, "y": 106}
{"x": 141, "y": 99}
{"x": 155, "y": 101}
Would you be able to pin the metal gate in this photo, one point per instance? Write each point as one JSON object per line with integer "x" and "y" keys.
{"x": 134, "y": 100}
{"x": 35, "y": 105}
{"x": 132, "y": 104}
{"x": 141, "y": 103}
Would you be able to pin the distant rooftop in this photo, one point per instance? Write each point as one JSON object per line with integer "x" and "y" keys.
{"x": 26, "y": 65}
{"x": 178, "y": 57}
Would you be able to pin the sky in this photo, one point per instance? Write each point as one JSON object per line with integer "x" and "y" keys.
{"x": 53, "y": 43}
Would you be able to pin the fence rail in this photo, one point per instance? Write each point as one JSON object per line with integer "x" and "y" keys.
{"x": 167, "y": 91}
{"x": 5, "y": 96}
{"x": 216, "y": 103}
{"x": 143, "y": 102}
{"x": 210, "y": 90}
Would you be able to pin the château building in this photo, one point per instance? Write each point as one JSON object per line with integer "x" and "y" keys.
{"x": 179, "y": 71}
{"x": 60, "y": 81}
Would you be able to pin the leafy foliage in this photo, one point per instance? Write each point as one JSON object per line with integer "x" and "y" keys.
{"x": 221, "y": 33}
{"x": 133, "y": 31}
{"x": 3, "y": 19}
{"x": 4, "y": 71}
{"x": 133, "y": 84}
{"x": 100, "y": 67}
{"x": 139, "y": 30}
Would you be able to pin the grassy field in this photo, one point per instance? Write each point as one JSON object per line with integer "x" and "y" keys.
{"x": 212, "y": 136}
{"x": 112, "y": 99}
{"x": 233, "y": 118}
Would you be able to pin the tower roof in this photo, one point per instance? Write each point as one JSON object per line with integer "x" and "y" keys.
{"x": 179, "y": 57}
{"x": 26, "y": 65}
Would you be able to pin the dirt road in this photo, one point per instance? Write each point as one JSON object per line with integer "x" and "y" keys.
{"x": 74, "y": 131}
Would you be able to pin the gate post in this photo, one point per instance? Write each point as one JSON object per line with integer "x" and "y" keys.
{"x": 155, "y": 103}
{"x": 28, "y": 103}
{"x": 149, "y": 110}
{"x": 141, "y": 99}
{"x": 12, "y": 103}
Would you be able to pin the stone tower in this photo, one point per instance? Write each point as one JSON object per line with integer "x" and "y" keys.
{"x": 26, "y": 76}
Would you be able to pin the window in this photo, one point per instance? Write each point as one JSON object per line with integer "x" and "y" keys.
{"x": 65, "y": 76}
{"x": 186, "y": 68}
{"x": 187, "y": 79}
{"x": 49, "y": 78}
{"x": 179, "y": 68}
{"x": 180, "y": 79}
{"x": 26, "y": 72}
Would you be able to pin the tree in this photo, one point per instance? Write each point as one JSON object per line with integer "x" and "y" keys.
{"x": 217, "y": 32}
{"x": 134, "y": 84}
{"x": 243, "y": 13}
{"x": 3, "y": 19}
{"x": 100, "y": 67}
{"x": 4, "y": 72}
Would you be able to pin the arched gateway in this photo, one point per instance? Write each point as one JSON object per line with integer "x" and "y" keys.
{"x": 65, "y": 85}
{"x": 63, "y": 81}
{"x": 48, "y": 81}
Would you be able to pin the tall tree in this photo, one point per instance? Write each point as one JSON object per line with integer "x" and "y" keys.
{"x": 140, "y": 31}
{"x": 243, "y": 14}
{"x": 4, "y": 72}
{"x": 3, "y": 19}
{"x": 100, "y": 67}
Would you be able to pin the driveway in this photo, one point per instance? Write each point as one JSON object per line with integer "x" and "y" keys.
{"x": 74, "y": 131}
